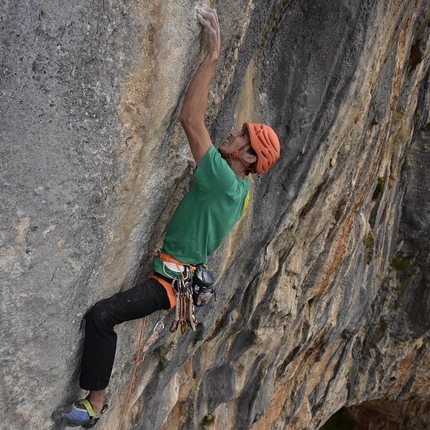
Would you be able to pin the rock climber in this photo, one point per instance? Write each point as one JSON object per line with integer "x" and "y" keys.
{"x": 202, "y": 219}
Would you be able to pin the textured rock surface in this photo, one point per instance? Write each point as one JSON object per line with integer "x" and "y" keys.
{"x": 323, "y": 293}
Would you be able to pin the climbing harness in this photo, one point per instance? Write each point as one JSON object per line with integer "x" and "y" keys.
{"x": 192, "y": 293}
{"x": 139, "y": 357}
{"x": 190, "y": 286}
{"x": 176, "y": 278}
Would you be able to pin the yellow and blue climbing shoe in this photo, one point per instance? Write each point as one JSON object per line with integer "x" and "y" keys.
{"x": 80, "y": 413}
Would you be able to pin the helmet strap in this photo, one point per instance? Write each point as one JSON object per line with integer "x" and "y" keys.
{"x": 234, "y": 154}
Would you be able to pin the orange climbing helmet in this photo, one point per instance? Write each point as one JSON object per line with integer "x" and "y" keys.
{"x": 265, "y": 143}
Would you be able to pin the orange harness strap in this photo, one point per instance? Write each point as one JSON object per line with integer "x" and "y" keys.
{"x": 166, "y": 284}
{"x": 169, "y": 259}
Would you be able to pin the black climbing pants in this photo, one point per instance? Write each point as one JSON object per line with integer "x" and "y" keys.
{"x": 100, "y": 320}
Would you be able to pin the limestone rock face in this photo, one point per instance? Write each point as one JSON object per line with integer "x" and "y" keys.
{"x": 323, "y": 295}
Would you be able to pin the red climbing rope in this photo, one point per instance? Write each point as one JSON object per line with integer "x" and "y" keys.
{"x": 138, "y": 358}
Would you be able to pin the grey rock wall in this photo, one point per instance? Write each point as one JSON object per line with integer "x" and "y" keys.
{"x": 322, "y": 287}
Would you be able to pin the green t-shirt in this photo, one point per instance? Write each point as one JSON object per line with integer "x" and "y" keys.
{"x": 207, "y": 212}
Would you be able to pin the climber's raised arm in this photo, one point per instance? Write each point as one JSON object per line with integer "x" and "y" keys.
{"x": 194, "y": 107}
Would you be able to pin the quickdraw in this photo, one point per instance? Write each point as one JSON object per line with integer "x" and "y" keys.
{"x": 184, "y": 311}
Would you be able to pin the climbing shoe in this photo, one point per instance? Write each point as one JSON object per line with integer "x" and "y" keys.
{"x": 80, "y": 413}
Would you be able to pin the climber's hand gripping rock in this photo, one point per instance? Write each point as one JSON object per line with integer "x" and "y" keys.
{"x": 208, "y": 18}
